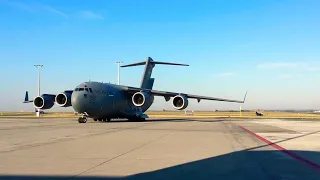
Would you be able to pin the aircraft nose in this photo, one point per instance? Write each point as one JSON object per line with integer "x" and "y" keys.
{"x": 78, "y": 101}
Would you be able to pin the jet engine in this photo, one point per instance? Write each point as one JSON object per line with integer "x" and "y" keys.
{"x": 46, "y": 101}
{"x": 64, "y": 99}
{"x": 180, "y": 102}
{"x": 141, "y": 98}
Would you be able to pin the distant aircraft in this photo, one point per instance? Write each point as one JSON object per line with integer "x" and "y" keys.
{"x": 104, "y": 101}
{"x": 259, "y": 113}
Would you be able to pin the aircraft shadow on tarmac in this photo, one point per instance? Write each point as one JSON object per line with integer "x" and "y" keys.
{"x": 246, "y": 164}
{"x": 163, "y": 120}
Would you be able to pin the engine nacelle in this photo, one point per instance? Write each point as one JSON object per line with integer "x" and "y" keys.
{"x": 141, "y": 98}
{"x": 64, "y": 99}
{"x": 180, "y": 102}
{"x": 46, "y": 101}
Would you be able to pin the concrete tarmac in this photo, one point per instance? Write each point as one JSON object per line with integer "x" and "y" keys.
{"x": 157, "y": 149}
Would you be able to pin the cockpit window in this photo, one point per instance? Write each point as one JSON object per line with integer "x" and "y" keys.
{"x": 77, "y": 89}
{"x": 81, "y": 89}
{"x": 90, "y": 90}
{"x": 86, "y": 89}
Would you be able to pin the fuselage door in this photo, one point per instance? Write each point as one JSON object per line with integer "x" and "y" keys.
{"x": 112, "y": 99}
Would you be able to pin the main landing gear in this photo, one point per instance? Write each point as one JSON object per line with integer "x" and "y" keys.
{"x": 102, "y": 119}
{"x": 84, "y": 119}
{"x": 136, "y": 119}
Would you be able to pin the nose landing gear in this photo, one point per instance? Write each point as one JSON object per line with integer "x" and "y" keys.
{"x": 82, "y": 119}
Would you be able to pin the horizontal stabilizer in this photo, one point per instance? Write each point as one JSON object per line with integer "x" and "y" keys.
{"x": 135, "y": 64}
{"x": 168, "y": 63}
{"x": 150, "y": 60}
{"x": 147, "y": 82}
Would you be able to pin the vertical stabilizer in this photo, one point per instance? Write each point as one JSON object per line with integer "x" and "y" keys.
{"x": 146, "y": 81}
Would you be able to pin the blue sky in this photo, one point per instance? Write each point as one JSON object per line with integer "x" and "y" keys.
{"x": 269, "y": 47}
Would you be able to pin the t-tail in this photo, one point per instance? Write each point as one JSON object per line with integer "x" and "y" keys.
{"x": 147, "y": 81}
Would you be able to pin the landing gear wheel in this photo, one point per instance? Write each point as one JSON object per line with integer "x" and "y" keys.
{"x": 104, "y": 119}
{"x": 100, "y": 119}
{"x": 95, "y": 119}
{"x": 82, "y": 120}
{"x": 108, "y": 119}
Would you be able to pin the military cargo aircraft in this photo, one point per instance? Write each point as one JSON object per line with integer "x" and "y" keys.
{"x": 105, "y": 101}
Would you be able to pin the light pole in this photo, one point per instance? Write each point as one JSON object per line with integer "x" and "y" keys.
{"x": 39, "y": 70}
{"x": 119, "y": 63}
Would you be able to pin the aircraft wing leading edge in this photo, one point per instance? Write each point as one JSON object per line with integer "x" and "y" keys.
{"x": 172, "y": 94}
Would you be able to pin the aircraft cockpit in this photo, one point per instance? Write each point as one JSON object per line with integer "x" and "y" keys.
{"x": 84, "y": 89}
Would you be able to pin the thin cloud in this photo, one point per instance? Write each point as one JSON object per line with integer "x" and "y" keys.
{"x": 18, "y": 5}
{"x": 226, "y": 74}
{"x": 34, "y": 7}
{"x": 305, "y": 66}
{"x": 53, "y": 10}
{"x": 290, "y": 76}
{"x": 315, "y": 68}
{"x": 286, "y": 76}
{"x": 279, "y": 65}
{"x": 89, "y": 15}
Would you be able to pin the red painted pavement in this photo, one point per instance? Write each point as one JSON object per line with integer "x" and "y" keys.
{"x": 283, "y": 150}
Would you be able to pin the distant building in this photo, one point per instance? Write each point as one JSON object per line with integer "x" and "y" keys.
{"x": 190, "y": 113}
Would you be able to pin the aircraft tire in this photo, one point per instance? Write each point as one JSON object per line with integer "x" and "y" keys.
{"x": 95, "y": 119}
{"x": 108, "y": 119}
{"x": 100, "y": 119}
{"x": 82, "y": 120}
{"x": 104, "y": 119}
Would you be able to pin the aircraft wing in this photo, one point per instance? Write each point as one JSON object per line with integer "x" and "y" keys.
{"x": 168, "y": 95}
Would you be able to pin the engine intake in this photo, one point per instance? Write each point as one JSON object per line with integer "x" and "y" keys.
{"x": 140, "y": 98}
{"x": 180, "y": 102}
{"x": 46, "y": 101}
{"x": 64, "y": 99}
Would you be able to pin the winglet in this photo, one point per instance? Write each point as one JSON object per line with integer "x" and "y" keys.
{"x": 26, "y": 98}
{"x": 245, "y": 97}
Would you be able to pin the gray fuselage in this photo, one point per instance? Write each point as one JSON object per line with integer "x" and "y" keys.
{"x": 104, "y": 100}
